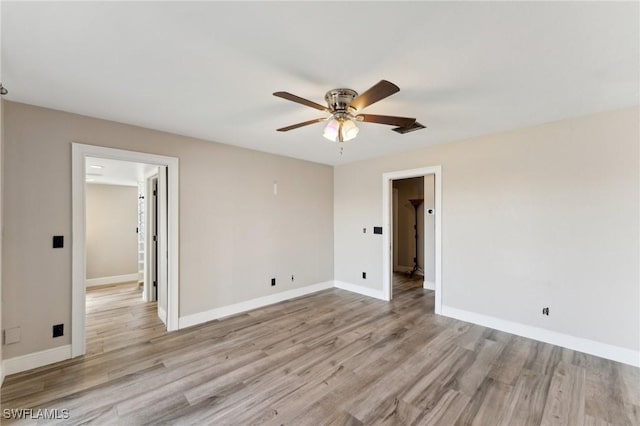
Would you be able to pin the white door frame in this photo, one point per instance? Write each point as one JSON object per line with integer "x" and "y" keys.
{"x": 387, "y": 246}
{"x": 79, "y": 152}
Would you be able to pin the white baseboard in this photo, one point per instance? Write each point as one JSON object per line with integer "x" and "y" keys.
{"x": 112, "y": 280}
{"x": 163, "y": 315}
{"x": 365, "y": 291}
{"x": 36, "y": 359}
{"x": 429, "y": 285}
{"x": 603, "y": 350}
{"x": 225, "y": 311}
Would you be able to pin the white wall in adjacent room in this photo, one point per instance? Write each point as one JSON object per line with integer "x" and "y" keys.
{"x": 111, "y": 221}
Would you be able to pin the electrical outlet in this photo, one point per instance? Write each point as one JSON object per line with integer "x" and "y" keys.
{"x": 58, "y": 330}
{"x": 58, "y": 241}
{"x": 545, "y": 311}
{"x": 273, "y": 282}
{"x": 364, "y": 230}
{"x": 364, "y": 275}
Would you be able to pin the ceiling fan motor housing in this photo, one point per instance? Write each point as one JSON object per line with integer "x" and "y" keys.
{"x": 338, "y": 100}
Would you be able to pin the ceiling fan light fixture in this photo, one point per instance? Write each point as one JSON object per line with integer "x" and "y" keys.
{"x": 349, "y": 130}
{"x": 331, "y": 130}
{"x": 340, "y": 130}
{"x": 344, "y": 107}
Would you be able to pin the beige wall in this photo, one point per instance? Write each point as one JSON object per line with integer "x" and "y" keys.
{"x": 543, "y": 216}
{"x": 112, "y": 241}
{"x": 235, "y": 234}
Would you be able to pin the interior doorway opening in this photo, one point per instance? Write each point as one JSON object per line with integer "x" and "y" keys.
{"x": 414, "y": 228}
{"x": 422, "y": 203}
{"x": 124, "y": 215}
{"x": 163, "y": 267}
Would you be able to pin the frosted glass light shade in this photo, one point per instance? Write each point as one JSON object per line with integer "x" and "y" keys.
{"x": 331, "y": 130}
{"x": 349, "y": 130}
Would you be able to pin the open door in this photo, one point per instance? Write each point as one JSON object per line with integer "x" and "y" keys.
{"x": 162, "y": 254}
{"x": 156, "y": 269}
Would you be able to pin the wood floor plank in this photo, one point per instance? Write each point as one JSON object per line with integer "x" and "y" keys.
{"x": 566, "y": 398}
{"x": 527, "y": 400}
{"x": 330, "y": 358}
{"x": 486, "y": 405}
{"x": 394, "y": 411}
{"x": 630, "y": 377}
{"x": 593, "y": 421}
{"x": 508, "y": 367}
{"x": 446, "y": 410}
{"x": 633, "y": 413}
{"x": 604, "y": 395}
{"x": 469, "y": 379}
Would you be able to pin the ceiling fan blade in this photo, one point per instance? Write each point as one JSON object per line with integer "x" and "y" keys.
{"x": 387, "y": 119}
{"x": 415, "y": 126}
{"x": 293, "y": 98}
{"x": 378, "y": 91}
{"x": 305, "y": 123}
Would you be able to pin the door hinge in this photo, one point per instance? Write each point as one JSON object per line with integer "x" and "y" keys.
{"x": 155, "y": 283}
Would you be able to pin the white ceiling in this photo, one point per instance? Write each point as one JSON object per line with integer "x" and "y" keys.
{"x": 208, "y": 69}
{"x": 116, "y": 172}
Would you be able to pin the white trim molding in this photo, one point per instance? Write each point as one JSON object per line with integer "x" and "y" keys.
{"x": 36, "y": 359}
{"x": 387, "y": 246}
{"x": 236, "y": 308}
{"x": 428, "y": 285}
{"x": 365, "y": 291}
{"x": 603, "y": 350}
{"x": 116, "y": 279}
{"x": 79, "y": 152}
{"x": 162, "y": 314}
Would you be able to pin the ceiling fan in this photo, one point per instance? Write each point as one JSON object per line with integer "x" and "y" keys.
{"x": 344, "y": 106}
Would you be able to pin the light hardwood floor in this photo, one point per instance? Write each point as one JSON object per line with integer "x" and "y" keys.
{"x": 333, "y": 357}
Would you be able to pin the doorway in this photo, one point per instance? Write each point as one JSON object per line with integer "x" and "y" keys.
{"x": 167, "y": 177}
{"x": 389, "y": 238}
{"x": 408, "y": 226}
